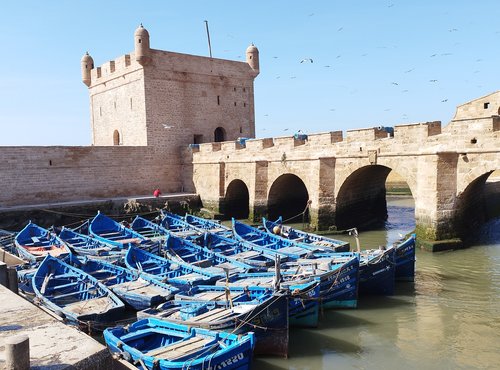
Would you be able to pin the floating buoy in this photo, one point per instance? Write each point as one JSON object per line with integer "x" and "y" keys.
{"x": 277, "y": 230}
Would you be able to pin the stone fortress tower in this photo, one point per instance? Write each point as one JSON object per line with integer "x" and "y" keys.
{"x": 168, "y": 100}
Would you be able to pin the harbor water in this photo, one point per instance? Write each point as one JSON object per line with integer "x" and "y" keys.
{"x": 449, "y": 318}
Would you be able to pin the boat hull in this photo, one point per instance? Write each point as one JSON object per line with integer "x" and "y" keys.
{"x": 158, "y": 345}
{"x": 405, "y": 260}
{"x": 377, "y": 276}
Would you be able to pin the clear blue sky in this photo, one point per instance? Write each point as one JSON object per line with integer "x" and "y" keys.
{"x": 374, "y": 62}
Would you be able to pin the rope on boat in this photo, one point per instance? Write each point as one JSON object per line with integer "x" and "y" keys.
{"x": 303, "y": 213}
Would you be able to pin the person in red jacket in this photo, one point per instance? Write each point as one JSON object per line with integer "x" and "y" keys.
{"x": 156, "y": 193}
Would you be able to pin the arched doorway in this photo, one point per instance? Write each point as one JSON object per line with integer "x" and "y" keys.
{"x": 219, "y": 134}
{"x": 236, "y": 200}
{"x": 116, "y": 138}
{"x": 288, "y": 198}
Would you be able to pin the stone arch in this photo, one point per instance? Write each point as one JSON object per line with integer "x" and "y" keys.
{"x": 116, "y": 137}
{"x": 288, "y": 197}
{"x": 476, "y": 204}
{"x": 219, "y": 134}
{"x": 361, "y": 197}
{"x": 236, "y": 200}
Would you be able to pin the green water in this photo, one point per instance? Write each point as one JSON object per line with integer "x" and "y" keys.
{"x": 448, "y": 319}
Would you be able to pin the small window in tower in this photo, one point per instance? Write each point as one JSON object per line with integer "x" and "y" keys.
{"x": 250, "y": 57}
{"x": 241, "y": 130}
{"x": 244, "y": 89}
{"x": 244, "y": 104}
{"x": 100, "y": 112}
{"x": 130, "y": 103}
{"x": 140, "y": 41}
{"x": 114, "y": 103}
{"x": 116, "y": 138}
{"x": 235, "y": 104}
{"x": 197, "y": 139}
{"x": 234, "y": 88}
{"x": 486, "y": 105}
{"x": 218, "y": 100}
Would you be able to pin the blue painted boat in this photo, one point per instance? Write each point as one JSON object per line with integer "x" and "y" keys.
{"x": 34, "y": 243}
{"x": 219, "y": 244}
{"x": 75, "y": 295}
{"x": 140, "y": 292}
{"x": 377, "y": 271}
{"x": 405, "y": 259}
{"x": 304, "y": 293}
{"x": 179, "y": 274}
{"x": 87, "y": 246}
{"x": 194, "y": 254}
{"x": 262, "y": 240}
{"x": 210, "y": 226}
{"x": 155, "y": 344}
{"x": 176, "y": 225}
{"x": 277, "y": 228}
{"x": 109, "y": 231}
{"x": 148, "y": 229}
{"x": 270, "y": 322}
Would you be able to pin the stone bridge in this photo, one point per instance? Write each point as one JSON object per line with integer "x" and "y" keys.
{"x": 343, "y": 178}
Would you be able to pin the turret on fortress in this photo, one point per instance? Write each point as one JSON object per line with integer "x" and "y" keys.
{"x": 165, "y": 99}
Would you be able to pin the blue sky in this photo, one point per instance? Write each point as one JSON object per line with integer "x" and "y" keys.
{"x": 374, "y": 62}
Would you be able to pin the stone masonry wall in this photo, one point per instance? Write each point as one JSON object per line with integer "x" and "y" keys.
{"x": 37, "y": 175}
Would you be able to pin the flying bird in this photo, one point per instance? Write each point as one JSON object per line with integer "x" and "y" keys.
{"x": 433, "y": 80}
{"x": 394, "y": 83}
{"x": 327, "y": 66}
{"x": 404, "y": 91}
{"x": 433, "y": 55}
{"x": 306, "y": 60}
{"x": 444, "y": 100}
{"x": 340, "y": 29}
{"x": 410, "y": 70}
{"x": 453, "y": 30}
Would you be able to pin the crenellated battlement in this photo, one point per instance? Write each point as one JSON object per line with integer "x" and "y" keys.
{"x": 114, "y": 68}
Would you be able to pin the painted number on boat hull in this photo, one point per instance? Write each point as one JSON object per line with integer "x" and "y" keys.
{"x": 230, "y": 361}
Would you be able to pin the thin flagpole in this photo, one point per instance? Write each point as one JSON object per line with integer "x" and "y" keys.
{"x": 208, "y": 36}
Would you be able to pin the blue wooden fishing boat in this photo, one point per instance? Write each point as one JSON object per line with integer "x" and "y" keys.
{"x": 270, "y": 321}
{"x": 405, "y": 259}
{"x": 75, "y": 295}
{"x": 377, "y": 271}
{"x": 176, "y": 225}
{"x": 376, "y": 267}
{"x": 87, "y": 246}
{"x": 210, "y": 226}
{"x": 34, "y": 243}
{"x": 179, "y": 274}
{"x": 109, "y": 231}
{"x": 303, "y": 293}
{"x": 194, "y": 254}
{"x": 148, "y": 229}
{"x": 140, "y": 292}
{"x": 277, "y": 228}
{"x": 262, "y": 240}
{"x": 217, "y": 243}
{"x": 155, "y": 344}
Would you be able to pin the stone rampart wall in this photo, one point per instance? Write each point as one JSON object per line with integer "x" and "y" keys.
{"x": 37, "y": 175}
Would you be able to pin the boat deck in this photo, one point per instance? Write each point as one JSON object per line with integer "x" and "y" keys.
{"x": 180, "y": 349}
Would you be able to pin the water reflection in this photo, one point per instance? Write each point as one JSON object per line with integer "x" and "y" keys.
{"x": 449, "y": 318}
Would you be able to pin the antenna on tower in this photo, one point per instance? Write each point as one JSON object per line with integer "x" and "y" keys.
{"x": 208, "y": 36}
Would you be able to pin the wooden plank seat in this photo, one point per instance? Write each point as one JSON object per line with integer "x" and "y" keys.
{"x": 94, "y": 305}
{"x": 140, "y": 286}
{"x": 180, "y": 349}
{"x": 213, "y": 315}
{"x": 191, "y": 277}
{"x": 59, "y": 296}
{"x": 63, "y": 286}
{"x": 216, "y": 295}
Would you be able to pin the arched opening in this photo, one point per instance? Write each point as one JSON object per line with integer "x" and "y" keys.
{"x": 219, "y": 134}
{"x": 362, "y": 202}
{"x": 478, "y": 204}
{"x": 236, "y": 200}
{"x": 288, "y": 198}
{"x": 116, "y": 138}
